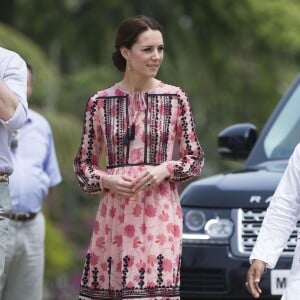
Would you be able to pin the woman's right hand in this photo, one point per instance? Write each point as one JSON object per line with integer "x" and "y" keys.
{"x": 254, "y": 275}
{"x": 118, "y": 184}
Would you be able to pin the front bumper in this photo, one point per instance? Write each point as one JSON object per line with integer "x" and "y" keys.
{"x": 212, "y": 272}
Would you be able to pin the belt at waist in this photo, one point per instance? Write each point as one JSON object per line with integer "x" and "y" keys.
{"x": 3, "y": 177}
{"x": 23, "y": 217}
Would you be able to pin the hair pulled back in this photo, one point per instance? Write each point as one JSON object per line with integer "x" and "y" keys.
{"x": 127, "y": 34}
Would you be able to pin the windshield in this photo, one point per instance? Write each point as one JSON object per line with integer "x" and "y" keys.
{"x": 285, "y": 132}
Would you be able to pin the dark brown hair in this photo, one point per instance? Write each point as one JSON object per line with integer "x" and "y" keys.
{"x": 127, "y": 34}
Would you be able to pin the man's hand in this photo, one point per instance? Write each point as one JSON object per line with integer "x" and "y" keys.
{"x": 254, "y": 275}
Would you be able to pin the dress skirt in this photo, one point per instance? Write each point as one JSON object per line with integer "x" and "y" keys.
{"x": 135, "y": 249}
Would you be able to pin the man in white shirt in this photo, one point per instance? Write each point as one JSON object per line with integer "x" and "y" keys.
{"x": 13, "y": 114}
{"x": 279, "y": 222}
{"x": 36, "y": 172}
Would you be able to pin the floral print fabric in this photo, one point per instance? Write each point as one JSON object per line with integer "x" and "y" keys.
{"x": 135, "y": 249}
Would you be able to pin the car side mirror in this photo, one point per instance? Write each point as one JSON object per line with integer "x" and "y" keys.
{"x": 236, "y": 141}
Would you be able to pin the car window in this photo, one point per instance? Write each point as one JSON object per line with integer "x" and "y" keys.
{"x": 285, "y": 133}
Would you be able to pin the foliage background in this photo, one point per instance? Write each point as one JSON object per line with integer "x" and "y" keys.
{"x": 234, "y": 58}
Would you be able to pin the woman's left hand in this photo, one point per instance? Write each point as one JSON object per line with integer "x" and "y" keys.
{"x": 152, "y": 176}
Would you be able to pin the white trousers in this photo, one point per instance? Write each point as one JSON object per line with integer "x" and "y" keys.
{"x": 5, "y": 207}
{"x": 24, "y": 261}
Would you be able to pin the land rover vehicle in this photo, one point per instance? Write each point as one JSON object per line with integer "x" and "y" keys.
{"x": 222, "y": 214}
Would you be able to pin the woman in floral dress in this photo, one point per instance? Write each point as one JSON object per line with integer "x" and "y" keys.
{"x": 135, "y": 249}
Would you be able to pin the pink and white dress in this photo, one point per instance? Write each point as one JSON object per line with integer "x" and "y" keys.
{"x": 135, "y": 249}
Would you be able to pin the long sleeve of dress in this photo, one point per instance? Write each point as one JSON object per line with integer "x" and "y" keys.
{"x": 86, "y": 163}
{"x": 191, "y": 155}
{"x": 281, "y": 216}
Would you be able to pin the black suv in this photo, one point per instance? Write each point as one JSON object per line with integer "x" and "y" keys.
{"x": 222, "y": 214}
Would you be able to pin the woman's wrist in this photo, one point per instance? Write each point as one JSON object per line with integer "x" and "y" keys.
{"x": 104, "y": 182}
{"x": 169, "y": 170}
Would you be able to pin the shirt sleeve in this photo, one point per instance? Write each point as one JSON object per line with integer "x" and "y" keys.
{"x": 18, "y": 119}
{"x": 15, "y": 77}
{"x": 191, "y": 155}
{"x": 51, "y": 165}
{"x": 281, "y": 216}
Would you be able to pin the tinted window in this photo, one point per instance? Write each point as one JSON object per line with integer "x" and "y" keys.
{"x": 285, "y": 132}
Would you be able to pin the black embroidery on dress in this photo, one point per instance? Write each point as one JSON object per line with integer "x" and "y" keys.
{"x": 142, "y": 282}
{"x": 126, "y": 260}
{"x": 146, "y": 129}
{"x": 130, "y": 131}
{"x": 167, "y": 112}
{"x": 108, "y": 121}
{"x": 153, "y": 126}
{"x": 177, "y": 280}
{"x": 158, "y": 124}
{"x": 86, "y": 270}
{"x": 141, "y": 292}
{"x": 130, "y": 134}
{"x": 157, "y": 131}
{"x": 95, "y": 273}
{"x": 172, "y": 292}
{"x": 122, "y": 123}
{"x": 109, "y": 261}
{"x": 115, "y": 115}
{"x": 159, "y": 270}
{"x": 187, "y": 119}
{"x": 82, "y": 178}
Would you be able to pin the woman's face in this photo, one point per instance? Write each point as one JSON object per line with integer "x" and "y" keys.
{"x": 146, "y": 55}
